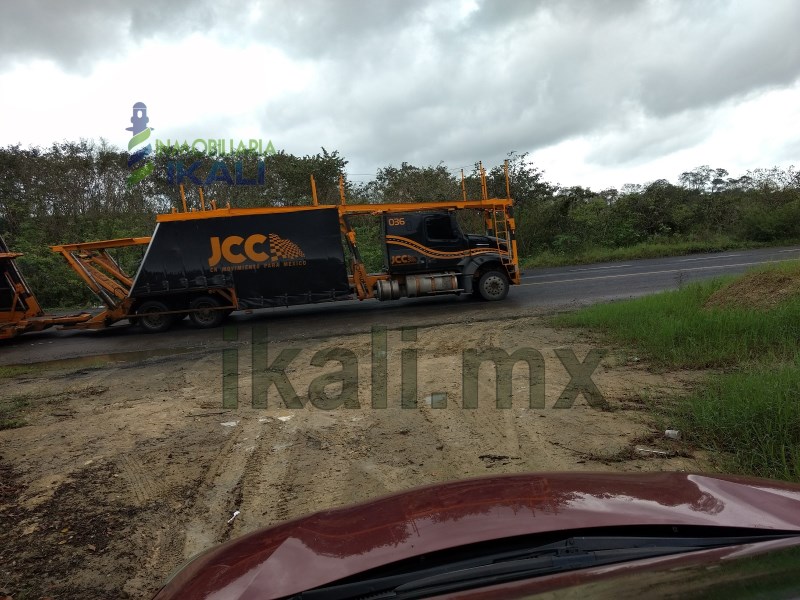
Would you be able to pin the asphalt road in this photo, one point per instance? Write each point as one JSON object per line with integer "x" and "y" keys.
{"x": 541, "y": 291}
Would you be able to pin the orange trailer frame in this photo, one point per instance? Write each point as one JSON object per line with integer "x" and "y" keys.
{"x": 20, "y": 311}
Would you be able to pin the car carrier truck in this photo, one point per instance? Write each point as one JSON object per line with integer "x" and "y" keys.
{"x": 19, "y": 309}
{"x": 207, "y": 262}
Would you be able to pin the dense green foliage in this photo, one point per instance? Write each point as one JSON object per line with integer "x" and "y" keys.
{"x": 750, "y": 413}
{"x": 74, "y": 192}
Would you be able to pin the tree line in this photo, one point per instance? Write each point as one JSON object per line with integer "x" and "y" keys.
{"x": 78, "y": 191}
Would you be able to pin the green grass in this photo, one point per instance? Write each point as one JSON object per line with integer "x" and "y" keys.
{"x": 750, "y": 418}
{"x": 749, "y": 414}
{"x": 644, "y": 250}
{"x": 673, "y": 329}
{"x": 9, "y": 409}
{"x": 10, "y": 372}
{"x": 7, "y": 423}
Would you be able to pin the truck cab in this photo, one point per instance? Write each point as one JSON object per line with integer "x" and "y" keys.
{"x": 426, "y": 252}
{"x": 422, "y": 242}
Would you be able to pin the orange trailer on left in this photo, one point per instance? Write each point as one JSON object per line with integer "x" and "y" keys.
{"x": 20, "y": 311}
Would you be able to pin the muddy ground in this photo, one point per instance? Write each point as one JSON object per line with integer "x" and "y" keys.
{"x": 122, "y": 470}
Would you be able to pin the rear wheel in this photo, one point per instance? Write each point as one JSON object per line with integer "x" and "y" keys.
{"x": 150, "y": 321}
{"x": 493, "y": 285}
{"x": 206, "y": 312}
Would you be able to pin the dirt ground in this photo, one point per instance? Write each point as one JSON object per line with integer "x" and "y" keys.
{"x": 123, "y": 470}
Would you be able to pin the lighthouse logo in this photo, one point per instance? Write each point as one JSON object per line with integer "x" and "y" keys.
{"x": 139, "y": 148}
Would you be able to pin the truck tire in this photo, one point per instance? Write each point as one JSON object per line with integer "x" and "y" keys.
{"x": 493, "y": 285}
{"x": 206, "y": 313}
{"x": 153, "y": 323}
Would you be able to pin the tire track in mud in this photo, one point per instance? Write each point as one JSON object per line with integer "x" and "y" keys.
{"x": 143, "y": 487}
{"x": 319, "y": 460}
{"x": 473, "y": 441}
{"x": 466, "y": 435}
{"x": 298, "y": 466}
{"x": 265, "y": 494}
{"x": 520, "y": 438}
{"x": 501, "y": 440}
{"x": 216, "y": 495}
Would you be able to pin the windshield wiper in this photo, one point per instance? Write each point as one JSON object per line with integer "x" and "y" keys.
{"x": 501, "y": 567}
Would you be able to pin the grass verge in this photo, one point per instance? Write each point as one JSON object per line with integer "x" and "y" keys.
{"x": 643, "y": 250}
{"x": 751, "y": 419}
{"x": 749, "y": 414}
{"x": 674, "y": 329}
{"x": 8, "y": 372}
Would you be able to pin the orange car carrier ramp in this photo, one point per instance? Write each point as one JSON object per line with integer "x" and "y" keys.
{"x": 20, "y": 311}
{"x": 98, "y": 270}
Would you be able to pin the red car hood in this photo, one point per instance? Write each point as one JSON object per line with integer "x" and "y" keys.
{"x": 330, "y": 545}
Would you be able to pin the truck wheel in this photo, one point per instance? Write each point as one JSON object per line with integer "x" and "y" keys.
{"x": 493, "y": 285}
{"x": 151, "y": 322}
{"x": 206, "y": 312}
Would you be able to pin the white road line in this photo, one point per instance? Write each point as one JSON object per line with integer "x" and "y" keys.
{"x": 709, "y": 257}
{"x": 598, "y": 268}
{"x": 792, "y": 250}
{"x": 761, "y": 262}
{"x": 574, "y": 270}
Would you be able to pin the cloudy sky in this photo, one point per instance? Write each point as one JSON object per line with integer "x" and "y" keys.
{"x": 599, "y": 92}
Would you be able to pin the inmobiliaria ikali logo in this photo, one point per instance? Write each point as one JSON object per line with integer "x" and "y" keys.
{"x": 245, "y": 171}
{"x": 138, "y": 146}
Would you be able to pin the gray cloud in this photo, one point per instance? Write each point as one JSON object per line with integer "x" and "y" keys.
{"x": 517, "y": 75}
{"x": 424, "y": 82}
{"x": 645, "y": 139}
{"x": 75, "y": 36}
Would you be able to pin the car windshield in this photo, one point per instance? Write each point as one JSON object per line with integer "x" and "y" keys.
{"x": 491, "y": 565}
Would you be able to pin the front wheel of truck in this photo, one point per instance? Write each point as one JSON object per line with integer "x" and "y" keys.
{"x": 205, "y": 312}
{"x": 493, "y": 285}
{"x": 149, "y": 319}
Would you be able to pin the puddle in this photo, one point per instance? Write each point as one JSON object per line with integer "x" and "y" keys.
{"x": 98, "y": 360}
